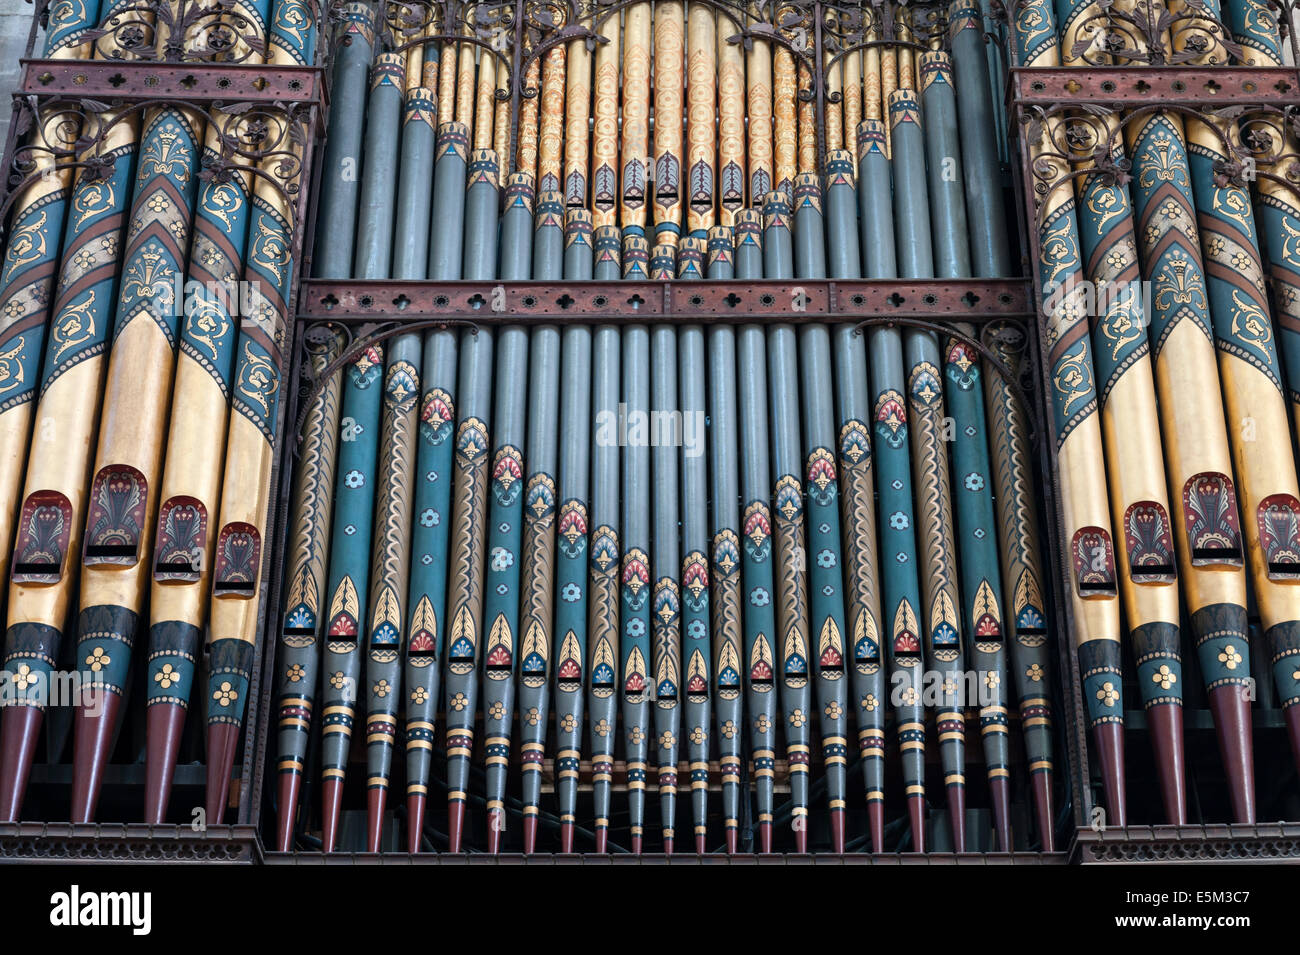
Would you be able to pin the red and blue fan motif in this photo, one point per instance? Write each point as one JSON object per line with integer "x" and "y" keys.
{"x": 437, "y": 417}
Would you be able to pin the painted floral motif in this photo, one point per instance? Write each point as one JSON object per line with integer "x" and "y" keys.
{"x": 382, "y": 689}
{"x": 532, "y": 717}
{"x": 1036, "y": 672}
{"x": 1164, "y": 677}
{"x": 419, "y": 695}
{"x": 354, "y": 479}
{"x": 497, "y": 710}
{"x": 635, "y": 736}
{"x": 667, "y": 740}
{"x": 458, "y": 702}
{"x": 729, "y": 727}
{"x": 568, "y": 723}
{"x": 98, "y": 659}
{"x": 338, "y": 680}
{"x": 601, "y": 727}
{"x": 797, "y": 718}
{"x": 869, "y": 703}
{"x": 1108, "y": 694}
{"x": 1229, "y": 657}
{"x": 698, "y": 736}
{"x": 834, "y": 710}
{"x": 25, "y": 677}
{"x": 762, "y": 723}
{"x": 225, "y": 694}
{"x": 295, "y": 672}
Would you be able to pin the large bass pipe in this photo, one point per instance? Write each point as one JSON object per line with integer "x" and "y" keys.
{"x": 189, "y": 490}
{"x": 250, "y": 443}
{"x": 1135, "y": 470}
{"x": 1089, "y": 551}
{"x": 44, "y": 568}
{"x": 27, "y": 282}
{"x": 1279, "y": 219}
{"x": 128, "y": 461}
{"x": 1201, "y": 488}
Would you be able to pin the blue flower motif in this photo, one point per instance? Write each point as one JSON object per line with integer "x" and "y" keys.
{"x": 896, "y": 484}
{"x": 431, "y": 476}
{"x": 503, "y": 527}
{"x": 426, "y": 560}
{"x": 901, "y": 558}
{"x": 828, "y": 590}
{"x": 824, "y": 527}
{"x": 429, "y": 517}
{"x": 354, "y": 479}
{"x": 826, "y": 558}
{"x": 502, "y": 589}
{"x": 898, "y": 521}
{"x": 636, "y": 627}
{"x": 350, "y": 529}
{"x": 974, "y": 481}
{"x": 502, "y": 559}
{"x": 570, "y": 593}
{"x": 695, "y": 630}
{"x": 759, "y": 597}
{"x": 979, "y": 533}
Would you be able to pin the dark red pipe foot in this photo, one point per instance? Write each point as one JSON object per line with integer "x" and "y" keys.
{"x": 602, "y": 840}
{"x": 96, "y": 722}
{"x": 636, "y": 845}
{"x": 331, "y": 805}
{"x": 19, "y": 731}
{"x": 530, "y": 833}
{"x": 837, "y": 831}
{"x": 1043, "y": 811}
{"x": 1165, "y": 721}
{"x": 801, "y": 835}
{"x": 223, "y": 739}
{"x": 733, "y": 840}
{"x": 916, "y": 813}
{"x": 376, "y": 803}
{"x": 1108, "y": 738}
{"x": 765, "y": 837}
{"x": 566, "y": 837}
{"x": 876, "y": 823}
{"x": 668, "y": 845}
{"x": 164, "y": 726}
{"x": 701, "y": 847}
{"x": 957, "y": 815}
{"x": 287, "y": 801}
{"x": 415, "y": 806}
{"x": 1293, "y": 730}
{"x": 1236, "y": 747}
{"x": 496, "y": 825}
{"x": 455, "y": 824}
{"x": 1000, "y": 796}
